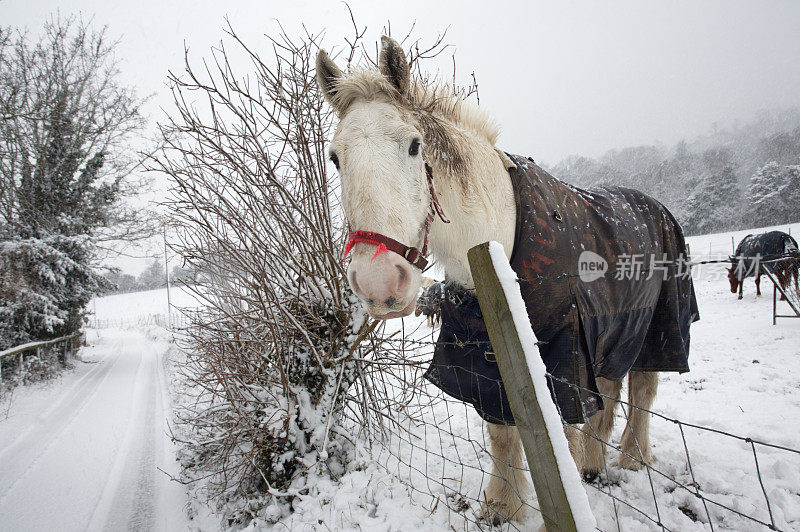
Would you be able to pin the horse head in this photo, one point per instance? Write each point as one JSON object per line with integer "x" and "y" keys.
{"x": 733, "y": 279}
{"x": 387, "y": 194}
{"x": 733, "y": 274}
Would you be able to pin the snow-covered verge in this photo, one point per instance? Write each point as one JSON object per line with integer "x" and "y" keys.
{"x": 91, "y": 449}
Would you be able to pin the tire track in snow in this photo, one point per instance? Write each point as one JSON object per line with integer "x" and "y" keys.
{"x": 74, "y": 393}
{"x": 99, "y": 470}
{"x": 18, "y": 458}
{"x": 138, "y": 494}
{"x": 134, "y": 460}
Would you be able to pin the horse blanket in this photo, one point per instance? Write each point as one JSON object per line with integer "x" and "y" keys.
{"x": 590, "y": 320}
{"x": 761, "y": 247}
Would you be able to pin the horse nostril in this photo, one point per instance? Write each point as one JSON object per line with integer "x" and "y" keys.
{"x": 390, "y": 302}
{"x": 404, "y": 280}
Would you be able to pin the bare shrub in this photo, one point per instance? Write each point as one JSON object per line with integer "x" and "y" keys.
{"x": 270, "y": 357}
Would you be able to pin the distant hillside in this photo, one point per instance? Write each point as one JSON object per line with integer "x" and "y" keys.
{"x": 745, "y": 175}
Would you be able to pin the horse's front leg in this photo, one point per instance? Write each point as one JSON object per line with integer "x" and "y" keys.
{"x": 504, "y": 497}
{"x": 758, "y": 284}
{"x": 642, "y": 388}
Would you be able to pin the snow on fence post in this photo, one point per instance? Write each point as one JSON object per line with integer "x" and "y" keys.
{"x": 562, "y": 498}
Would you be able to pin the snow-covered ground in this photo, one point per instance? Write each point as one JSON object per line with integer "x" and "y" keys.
{"x": 84, "y": 451}
{"x": 87, "y": 450}
{"x": 744, "y": 380}
{"x": 139, "y": 308}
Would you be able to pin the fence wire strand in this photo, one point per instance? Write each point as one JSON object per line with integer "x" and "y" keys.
{"x": 437, "y": 446}
{"x": 431, "y": 447}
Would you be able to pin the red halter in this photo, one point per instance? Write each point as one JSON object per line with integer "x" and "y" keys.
{"x": 413, "y": 255}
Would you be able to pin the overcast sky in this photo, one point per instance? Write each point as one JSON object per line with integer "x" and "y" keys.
{"x": 561, "y": 78}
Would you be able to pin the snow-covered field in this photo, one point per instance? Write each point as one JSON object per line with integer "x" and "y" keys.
{"x": 84, "y": 451}
{"x": 136, "y": 308}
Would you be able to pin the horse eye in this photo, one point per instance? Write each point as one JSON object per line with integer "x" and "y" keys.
{"x": 414, "y": 148}
{"x": 335, "y": 160}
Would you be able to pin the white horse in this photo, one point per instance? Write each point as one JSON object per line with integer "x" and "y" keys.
{"x": 386, "y": 122}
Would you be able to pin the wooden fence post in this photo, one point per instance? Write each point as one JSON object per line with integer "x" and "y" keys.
{"x": 547, "y": 477}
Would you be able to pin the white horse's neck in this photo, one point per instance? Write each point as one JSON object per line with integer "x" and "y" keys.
{"x": 480, "y": 206}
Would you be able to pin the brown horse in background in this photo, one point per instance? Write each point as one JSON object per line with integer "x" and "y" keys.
{"x": 753, "y": 249}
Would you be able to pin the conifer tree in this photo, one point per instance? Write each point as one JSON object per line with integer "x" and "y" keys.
{"x": 66, "y": 165}
{"x": 773, "y": 195}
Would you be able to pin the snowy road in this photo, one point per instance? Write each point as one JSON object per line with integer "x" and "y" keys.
{"x": 85, "y": 452}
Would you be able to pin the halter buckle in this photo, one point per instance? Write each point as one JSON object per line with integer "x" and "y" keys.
{"x": 408, "y": 255}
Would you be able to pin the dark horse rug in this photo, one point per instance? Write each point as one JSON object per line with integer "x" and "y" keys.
{"x": 766, "y": 246}
{"x": 634, "y": 316}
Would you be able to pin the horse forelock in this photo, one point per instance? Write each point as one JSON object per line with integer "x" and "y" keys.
{"x": 447, "y": 120}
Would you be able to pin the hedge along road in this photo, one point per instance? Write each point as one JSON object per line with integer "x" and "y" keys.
{"x": 85, "y": 451}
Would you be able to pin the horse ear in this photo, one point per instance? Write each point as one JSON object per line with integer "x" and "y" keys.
{"x": 328, "y": 75}
{"x": 394, "y": 65}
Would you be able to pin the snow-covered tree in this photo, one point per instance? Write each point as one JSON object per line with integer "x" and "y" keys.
{"x": 66, "y": 130}
{"x": 773, "y": 195}
{"x": 782, "y": 148}
{"x": 584, "y": 172}
{"x": 45, "y": 283}
{"x": 704, "y": 181}
{"x": 122, "y": 282}
{"x": 154, "y": 276}
{"x": 715, "y": 204}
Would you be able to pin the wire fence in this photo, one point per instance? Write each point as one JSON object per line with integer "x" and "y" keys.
{"x": 177, "y": 321}
{"x": 439, "y": 448}
{"x": 435, "y": 445}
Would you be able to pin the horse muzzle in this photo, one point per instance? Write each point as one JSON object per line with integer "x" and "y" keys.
{"x": 386, "y": 283}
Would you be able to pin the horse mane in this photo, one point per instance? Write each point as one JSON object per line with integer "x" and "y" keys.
{"x": 446, "y": 117}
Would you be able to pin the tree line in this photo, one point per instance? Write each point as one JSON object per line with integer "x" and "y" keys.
{"x": 153, "y": 277}
{"x": 733, "y": 178}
